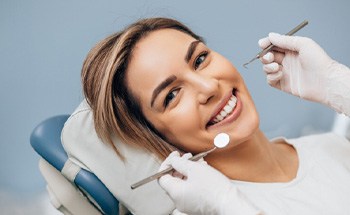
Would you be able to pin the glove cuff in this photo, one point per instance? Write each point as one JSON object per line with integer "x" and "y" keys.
{"x": 338, "y": 88}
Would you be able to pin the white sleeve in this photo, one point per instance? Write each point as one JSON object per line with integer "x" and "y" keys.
{"x": 339, "y": 89}
{"x": 236, "y": 203}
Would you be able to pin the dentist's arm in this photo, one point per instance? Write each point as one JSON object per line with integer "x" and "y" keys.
{"x": 200, "y": 189}
{"x": 301, "y": 67}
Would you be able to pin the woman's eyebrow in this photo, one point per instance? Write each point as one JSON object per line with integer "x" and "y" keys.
{"x": 172, "y": 78}
{"x": 161, "y": 87}
{"x": 191, "y": 50}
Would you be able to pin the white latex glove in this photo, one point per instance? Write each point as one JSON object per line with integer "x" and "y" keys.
{"x": 198, "y": 188}
{"x": 301, "y": 67}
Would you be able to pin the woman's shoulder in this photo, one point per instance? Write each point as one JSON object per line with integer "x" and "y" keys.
{"x": 323, "y": 138}
{"x": 324, "y": 149}
{"x": 325, "y": 145}
{"x": 317, "y": 142}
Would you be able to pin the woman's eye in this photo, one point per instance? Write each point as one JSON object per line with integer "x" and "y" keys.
{"x": 199, "y": 60}
{"x": 171, "y": 95}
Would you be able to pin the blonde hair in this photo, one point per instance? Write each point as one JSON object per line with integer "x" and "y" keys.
{"x": 115, "y": 110}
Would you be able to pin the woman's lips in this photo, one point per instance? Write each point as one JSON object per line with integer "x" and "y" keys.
{"x": 231, "y": 116}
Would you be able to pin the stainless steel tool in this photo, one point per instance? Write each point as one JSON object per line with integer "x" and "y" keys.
{"x": 267, "y": 49}
{"x": 168, "y": 170}
{"x": 221, "y": 140}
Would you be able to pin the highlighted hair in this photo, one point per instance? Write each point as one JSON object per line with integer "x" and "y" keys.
{"x": 116, "y": 112}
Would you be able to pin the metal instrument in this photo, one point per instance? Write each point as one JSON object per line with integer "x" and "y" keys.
{"x": 168, "y": 170}
{"x": 267, "y": 49}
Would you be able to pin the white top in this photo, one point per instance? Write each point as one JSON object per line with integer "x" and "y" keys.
{"x": 322, "y": 184}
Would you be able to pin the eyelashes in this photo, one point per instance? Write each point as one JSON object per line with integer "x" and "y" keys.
{"x": 196, "y": 64}
{"x": 200, "y": 59}
{"x": 170, "y": 96}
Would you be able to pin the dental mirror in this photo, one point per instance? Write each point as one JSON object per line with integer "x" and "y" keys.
{"x": 220, "y": 141}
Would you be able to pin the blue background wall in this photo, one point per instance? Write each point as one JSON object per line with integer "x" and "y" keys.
{"x": 43, "y": 45}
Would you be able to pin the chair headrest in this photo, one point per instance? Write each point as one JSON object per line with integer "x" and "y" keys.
{"x": 46, "y": 141}
{"x": 86, "y": 149}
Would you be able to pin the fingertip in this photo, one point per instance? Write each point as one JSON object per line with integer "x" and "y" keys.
{"x": 187, "y": 156}
{"x": 275, "y": 38}
{"x": 272, "y": 79}
{"x": 201, "y": 160}
{"x": 167, "y": 162}
{"x": 292, "y": 43}
{"x": 279, "y": 75}
{"x": 271, "y": 68}
{"x": 264, "y": 42}
{"x": 267, "y": 58}
{"x": 174, "y": 154}
{"x": 261, "y": 41}
{"x": 181, "y": 165}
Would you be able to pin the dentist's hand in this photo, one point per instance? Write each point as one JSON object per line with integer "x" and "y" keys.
{"x": 197, "y": 188}
{"x": 301, "y": 67}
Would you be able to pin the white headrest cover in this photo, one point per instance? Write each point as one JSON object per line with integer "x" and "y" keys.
{"x": 80, "y": 141}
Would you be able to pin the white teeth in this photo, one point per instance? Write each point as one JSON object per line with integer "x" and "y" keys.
{"x": 219, "y": 118}
{"x": 228, "y": 108}
{"x": 232, "y": 101}
{"x": 223, "y": 113}
{"x": 231, "y": 104}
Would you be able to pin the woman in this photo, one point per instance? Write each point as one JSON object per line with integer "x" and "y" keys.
{"x": 158, "y": 85}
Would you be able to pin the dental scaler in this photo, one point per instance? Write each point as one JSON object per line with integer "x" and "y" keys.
{"x": 220, "y": 141}
{"x": 267, "y": 49}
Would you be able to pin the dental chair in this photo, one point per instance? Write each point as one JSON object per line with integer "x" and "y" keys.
{"x": 85, "y": 176}
{"x": 72, "y": 190}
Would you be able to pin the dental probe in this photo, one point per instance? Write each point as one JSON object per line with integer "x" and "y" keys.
{"x": 267, "y": 49}
{"x": 220, "y": 141}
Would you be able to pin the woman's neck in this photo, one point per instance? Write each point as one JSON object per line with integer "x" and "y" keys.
{"x": 257, "y": 160}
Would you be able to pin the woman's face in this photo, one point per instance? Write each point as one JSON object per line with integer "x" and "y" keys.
{"x": 188, "y": 92}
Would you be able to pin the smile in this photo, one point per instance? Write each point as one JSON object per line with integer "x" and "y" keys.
{"x": 227, "y": 110}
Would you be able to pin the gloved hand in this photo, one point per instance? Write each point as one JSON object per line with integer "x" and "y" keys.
{"x": 301, "y": 67}
{"x": 197, "y": 188}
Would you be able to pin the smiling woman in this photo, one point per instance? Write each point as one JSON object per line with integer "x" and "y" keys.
{"x": 116, "y": 110}
{"x": 157, "y": 85}
{"x": 188, "y": 92}
{"x": 146, "y": 81}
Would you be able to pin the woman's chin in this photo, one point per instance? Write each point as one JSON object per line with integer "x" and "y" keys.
{"x": 245, "y": 131}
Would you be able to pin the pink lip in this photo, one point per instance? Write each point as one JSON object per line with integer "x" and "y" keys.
{"x": 220, "y": 106}
{"x": 232, "y": 116}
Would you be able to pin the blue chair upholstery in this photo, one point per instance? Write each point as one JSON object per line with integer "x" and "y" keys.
{"x": 46, "y": 141}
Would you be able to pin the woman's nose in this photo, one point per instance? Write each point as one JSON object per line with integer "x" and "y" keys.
{"x": 206, "y": 88}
